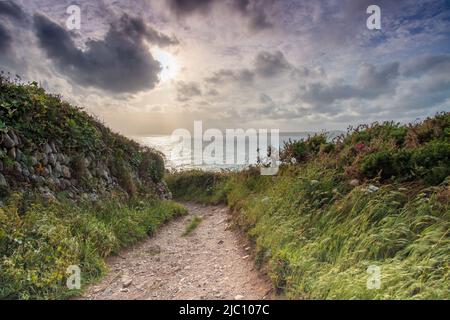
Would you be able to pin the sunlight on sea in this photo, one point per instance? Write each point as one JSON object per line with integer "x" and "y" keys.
{"x": 180, "y": 161}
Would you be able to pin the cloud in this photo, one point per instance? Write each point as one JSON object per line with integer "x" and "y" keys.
{"x": 266, "y": 65}
{"x": 187, "y": 90}
{"x": 13, "y": 19}
{"x": 5, "y": 40}
{"x": 242, "y": 76}
{"x": 184, "y": 7}
{"x": 12, "y": 10}
{"x": 425, "y": 64}
{"x": 372, "y": 82}
{"x": 271, "y": 64}
{"x": 121, "y": 62}
{"x": 252, "y": 10}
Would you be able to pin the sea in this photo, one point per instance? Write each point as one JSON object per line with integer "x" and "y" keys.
{"x": 184, "y": 160}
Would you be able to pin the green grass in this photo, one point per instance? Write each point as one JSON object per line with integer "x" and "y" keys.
{"x": 39, "y": 240}
{"x": 193, "y": 224}
{"x": 199, "y": 185}
{"x": 316, "y": 235}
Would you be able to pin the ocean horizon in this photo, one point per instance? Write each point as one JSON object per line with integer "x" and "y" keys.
{"x": 182, "y": 161}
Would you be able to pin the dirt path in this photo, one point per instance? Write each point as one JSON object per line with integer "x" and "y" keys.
{"x": 210, "y": 263}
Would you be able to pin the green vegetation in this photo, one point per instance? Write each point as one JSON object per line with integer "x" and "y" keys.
{"x": 40, "y": 240}
{"x": 379, "y": 195}
{"x": 193, "y": 223}
{"x": 109, "y": 200}
{"x": 198, "y": 185}
{"x": 38, "y": 117}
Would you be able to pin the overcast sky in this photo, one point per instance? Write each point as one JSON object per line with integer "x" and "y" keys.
{"x": 151, "y": 66}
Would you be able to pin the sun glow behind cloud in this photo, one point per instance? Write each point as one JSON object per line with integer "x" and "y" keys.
{"x": 169, "y": 64}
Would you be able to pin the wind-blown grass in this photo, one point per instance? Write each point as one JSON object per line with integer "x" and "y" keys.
{"x": 316, "y": 234}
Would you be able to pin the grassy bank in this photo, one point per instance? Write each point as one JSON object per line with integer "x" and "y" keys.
{"x": 39, "y": 240}
{"x": 72, "y": 192}
{"x": 378, "y": 196}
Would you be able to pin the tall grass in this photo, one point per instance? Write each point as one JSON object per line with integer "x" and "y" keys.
{"x": 316, "y": 234}
{"x": 39, "y": 241}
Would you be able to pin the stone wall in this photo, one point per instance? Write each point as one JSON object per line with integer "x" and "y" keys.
{"x": 46, "y": 169}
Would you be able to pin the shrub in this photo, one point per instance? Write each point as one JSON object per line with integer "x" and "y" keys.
{"x": 151, "y": 167}
{"x": 432, "y": 161}
{"x": 120, "y": 170}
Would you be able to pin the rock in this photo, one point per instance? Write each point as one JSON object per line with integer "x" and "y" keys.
{"x": 371, "y": 188}
{"x": 1, "y": 165}
{"x": 41, "y": 180}
{"x": 42, "y": 158}
{"x": 46, "y": 193}
{"x": 88, "y": 174}
{"x": 7, "y": 142}
{"x": 245, "y": 257}
{"x": 17, "y": 168}
{"x": 57, "y": 171}
{"x": 66, "y": 159}
{"x": 12, "y": 153}
{"x": 53, "y": 147}
{"x": 14, "y": 138}
{"x": 66, "y": 182}
{"x": 66, "y": 172}
{"x": 19, "y": 155}
{"x": 25, "y": 172}
{"x": 33, "y": 161}
{"x": 238, "y": 297}
{"x": 220, "y": 242}
{"x": 3, "y": 182}
{"x": 46, "y": 148}
{"x": 51, "y": 159}
{"x": 163, "y": 191}
{"x": 46, "y": 172}
{"x": 314, "y": 182}
{"x": 126, "y": 281}
{"x": 354, "y": 183}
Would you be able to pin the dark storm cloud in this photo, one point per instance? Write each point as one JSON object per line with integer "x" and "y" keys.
{"x": 251, "y": 10}
{"x": 5, "y": 40}
{"x": 187, "y": 90}
{"x": 254, "y": 11}
{"x": 11, "y": 9}
{"x": 14, "y": 12}
{"x": 377, "y": 79}
{"x": 372, "y": 82}
{"x": 121, "y": 62}
{"x": 266, "y": 65}
{"x": 183, "y": 7}
{"x": 243, "y": 76}
{"x": 271, "y": 64}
